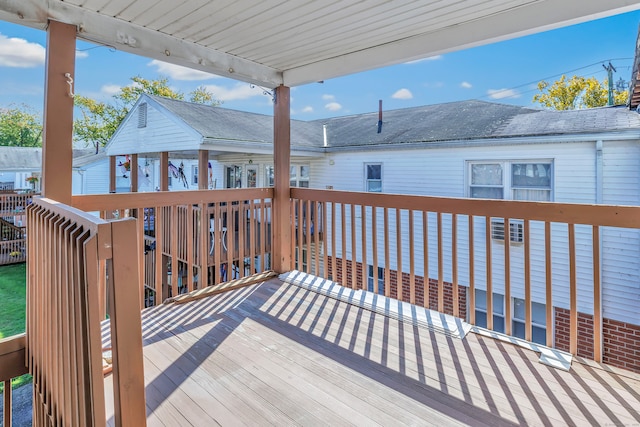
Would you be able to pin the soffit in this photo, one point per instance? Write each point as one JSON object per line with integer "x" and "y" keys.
{"x": 294, "y": 42}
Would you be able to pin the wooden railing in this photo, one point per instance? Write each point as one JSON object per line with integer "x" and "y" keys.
{"x": 12, "y": 365}
{"x": 552, "y": 254}
{"x": 69, "y": 252}
{"x": 13, "y": 203}
{"x": 12, "y": 243}
{"x": 183, "y": 249}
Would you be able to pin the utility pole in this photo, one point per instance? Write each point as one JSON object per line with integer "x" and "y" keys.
{"x": 610, "y": 70}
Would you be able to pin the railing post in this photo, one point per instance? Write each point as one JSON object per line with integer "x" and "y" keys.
{"x": 126, "y": 327}
{"x": 58, "y": 112}
{"x": 282, "y": 249}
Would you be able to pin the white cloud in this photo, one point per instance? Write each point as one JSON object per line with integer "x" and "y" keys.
{"x": 402, "y": 94}
{"x": 307, "y": 109}
{"x": 328, "y": 97}
{"x": 333, "y": 106}
{"x": 237, "y": 92}
{"x": 19, "y": 53}
{"x": 81, "y": 54}
{"x": 466, "y": 85}
{"x": 429, "y": 58}
{"x": 503, "y": 93}
{"x": 110, "y": 90}
{"x": 178, "y": 72}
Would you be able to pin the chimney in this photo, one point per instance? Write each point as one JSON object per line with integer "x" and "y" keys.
{"x": 380, "y": 116}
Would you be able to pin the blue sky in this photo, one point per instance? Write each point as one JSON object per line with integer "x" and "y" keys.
{"x": 504, "y": 72}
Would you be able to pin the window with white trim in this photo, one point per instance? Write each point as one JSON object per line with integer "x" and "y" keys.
{"x": 379, "y": 280}
{"x": 373, "y": 177}
{"x": 269, "y": 175}
{"x": 538, "y": 321}
{"x": 194, "y": 175}
{"x": 498, "y": 310}
{"x": 299, "y": 176}
{"x": 511, "y": 180}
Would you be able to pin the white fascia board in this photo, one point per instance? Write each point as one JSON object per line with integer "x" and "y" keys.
{"x": 495, "y": 142}
{"x": 138, "y": 40}
{"x": 537, "y": 16}
{"x": 234, "y": 146}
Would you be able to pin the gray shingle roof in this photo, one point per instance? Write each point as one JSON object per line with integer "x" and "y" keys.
{"x": 472, "y": 120}
{"x": 223, "y": 123}
{"x": 454, "y": 121}
{"x": 30, "y": 158}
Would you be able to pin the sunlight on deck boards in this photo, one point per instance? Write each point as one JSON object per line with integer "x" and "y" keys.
{"x": 276, "y": 354}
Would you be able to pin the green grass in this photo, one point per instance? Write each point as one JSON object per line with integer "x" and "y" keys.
{"x": 13, "y": 304}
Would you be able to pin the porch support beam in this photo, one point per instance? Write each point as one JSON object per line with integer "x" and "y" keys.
{"x": 112, "y": 174}
{"x": 203, "y": 168}
{"x": 281, "y": 225}
{"x": 133, "y": 173}
{"x": 57, "y": 146}
{"x": 164, "y": 171}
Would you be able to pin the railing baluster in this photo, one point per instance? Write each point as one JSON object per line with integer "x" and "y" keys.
{"x": 440, "y": 265}
{"x": 387, "y": 266}
{"x": 242, "y": 242}
{"x": 573, "y": 292}
{"x": 354, "y": 257}
{"x": 253, "y": 219}
{"x": 231, "y": 241}
{"x": 472, "y": 274}
{"x": 454, "y": 263}
{"x": 363, "y": 231}
{"x": 300, "y": 231}
{"x": 412, "y": 261}
{"x": 334, "y": 262}
{"x": 527, "y": 281}
{"x": 507, "y": 276}
{"x": 374, "y": 248}
{"x": 190, "y": 242}
{"x": 425, "y": 254}
{"x": 597, "y": 297}
{"x": 7, "y": 408}
{"x": 175, "y": 220}
{"x": 343, "y": 246}
{"x": 317, "y": 223}
{"x": 217, "y": 241}
{"x": 488, "y": 258}
{"x": 399, "y": 281}
{"x": 548, "y": 285}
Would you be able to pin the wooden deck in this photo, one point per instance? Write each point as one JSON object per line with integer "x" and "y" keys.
{"x": 276, "y": 354}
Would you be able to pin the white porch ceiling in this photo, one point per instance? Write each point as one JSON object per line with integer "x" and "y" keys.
{"x": 293, "y": 42}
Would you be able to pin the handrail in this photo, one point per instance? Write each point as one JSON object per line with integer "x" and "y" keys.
{"x": 572, "y": 213}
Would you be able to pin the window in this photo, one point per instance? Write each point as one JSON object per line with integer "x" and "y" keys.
{"x": 233, "y": 176}
{"x": 252, "y": 177}
{"x": 511, "y": 180}
{"x": 538, "y": 321}
{"x": 380, "y": 280}
{"x": 269, "y": 176}
{"x": 373, "y": 177}
{"x": 299, "y": 176}
{"x": 498, "y": 310}
{"x": 194, "y": 175}
{"x": 142, "y": 115}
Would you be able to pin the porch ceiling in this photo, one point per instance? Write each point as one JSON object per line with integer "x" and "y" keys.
{"x": 295, "y": 42}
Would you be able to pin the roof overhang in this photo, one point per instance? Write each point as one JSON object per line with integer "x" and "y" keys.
{"x": 273, "y": 42}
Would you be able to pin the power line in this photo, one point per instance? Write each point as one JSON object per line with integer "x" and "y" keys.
{"x": 556, "y": 75}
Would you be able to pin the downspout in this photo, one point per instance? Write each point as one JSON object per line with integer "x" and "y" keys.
{"x": 599, "y": 172}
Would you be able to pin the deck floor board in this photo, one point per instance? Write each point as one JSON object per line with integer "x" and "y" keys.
{"x": 276, "y": 354}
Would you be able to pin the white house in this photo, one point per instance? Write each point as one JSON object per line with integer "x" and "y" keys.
{"x": 462, "y": 149}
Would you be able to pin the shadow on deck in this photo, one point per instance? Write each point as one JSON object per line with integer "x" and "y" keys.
{"x": 273, "y": 353}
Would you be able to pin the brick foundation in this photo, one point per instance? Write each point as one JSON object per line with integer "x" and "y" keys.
{"x": 621, "y": 341}
{"x": 361, "y": 283}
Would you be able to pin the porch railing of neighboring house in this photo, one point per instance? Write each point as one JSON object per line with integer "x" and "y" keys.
{"x": 12, "y": 226}
{"x": 386, "y": 242}
{"x": 69, "y": 252}
{"x": 6, "y": 186}
{"x": 183, "y": 249}
{"x": 12, "y": 365}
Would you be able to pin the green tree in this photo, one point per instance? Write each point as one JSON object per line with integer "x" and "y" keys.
{"x": 577, "y": 93}
{"x": 20, "y": 126}
{"x": 99, "y": 120}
